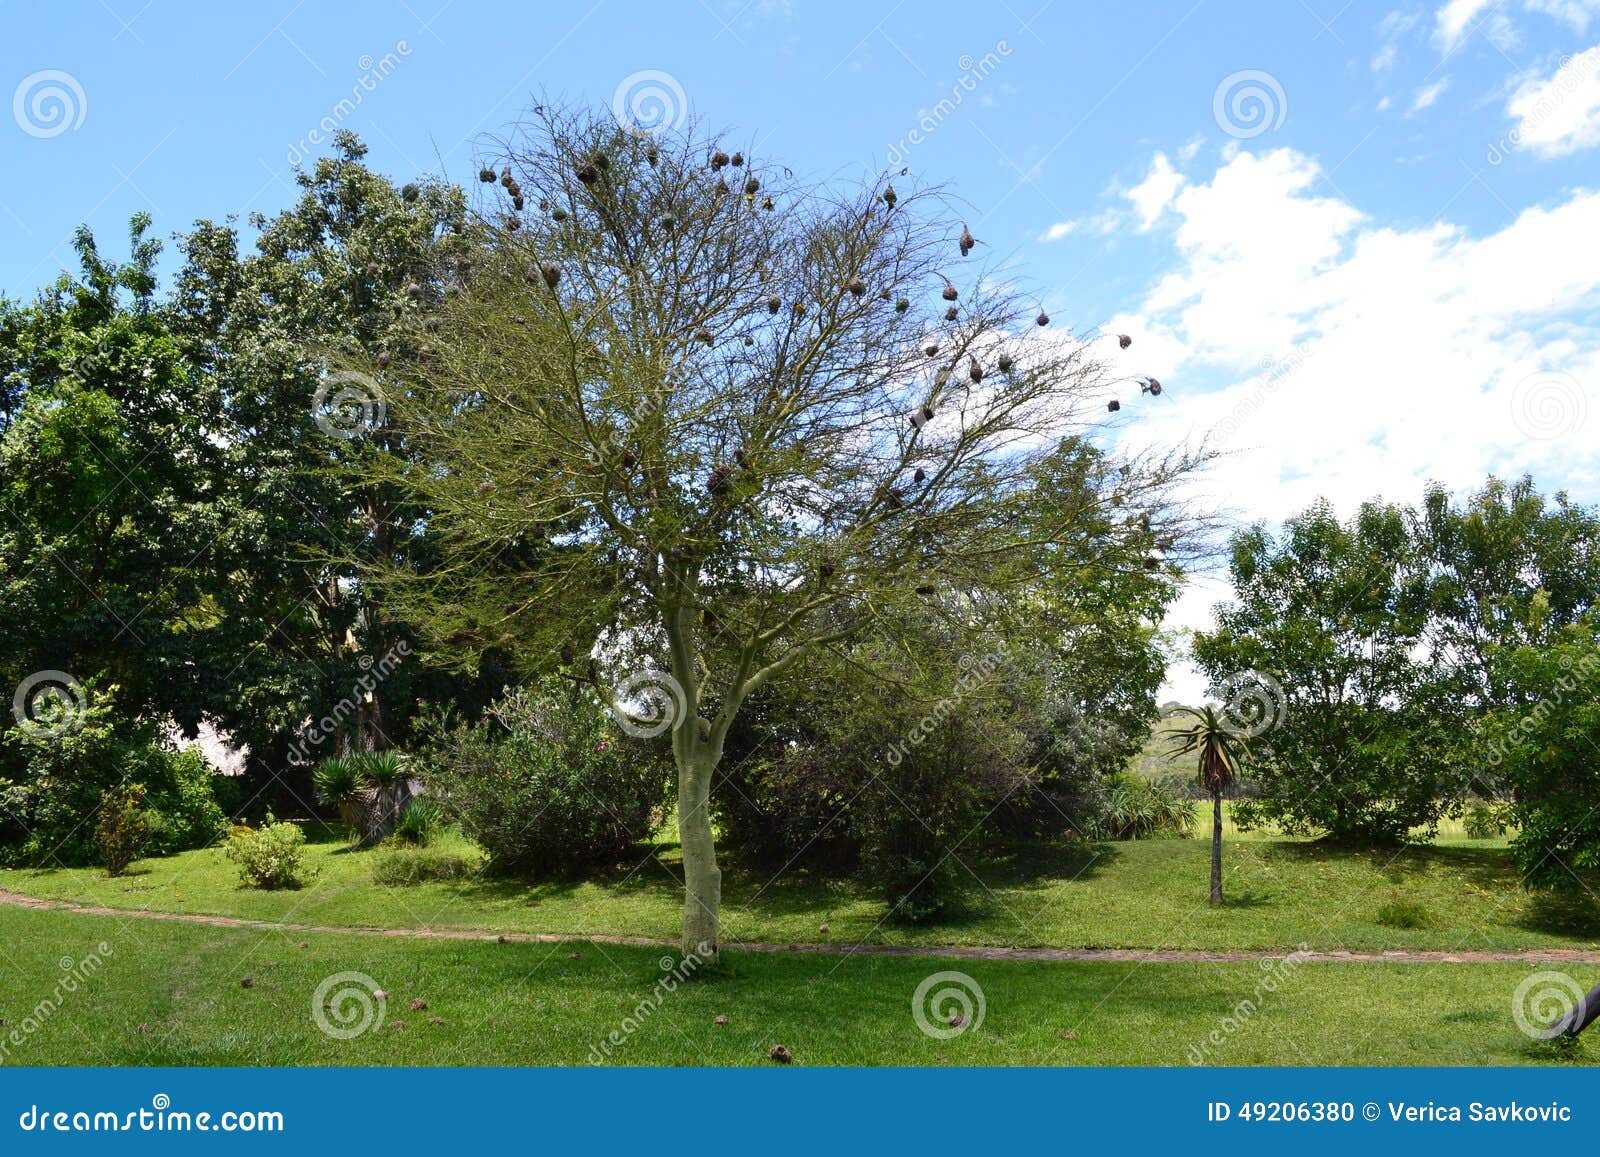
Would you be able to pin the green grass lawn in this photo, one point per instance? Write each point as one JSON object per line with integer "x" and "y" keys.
{"x": 1144, "y": 894}
{"x": 173, "y": 994}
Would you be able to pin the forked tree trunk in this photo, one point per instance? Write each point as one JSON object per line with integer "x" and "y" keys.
{"x": 702, "y": 879}
{"x": 1216, "y": 847}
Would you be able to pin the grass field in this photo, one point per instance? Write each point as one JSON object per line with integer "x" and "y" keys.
{"x": 174, "y": 994}
{"x": 1143, "y": 894}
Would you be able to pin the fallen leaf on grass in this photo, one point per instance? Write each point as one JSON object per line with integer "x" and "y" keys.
{"x": 780, "y": 1054}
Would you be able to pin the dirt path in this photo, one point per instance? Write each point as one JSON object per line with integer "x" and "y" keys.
{"x": 953, "y": 952}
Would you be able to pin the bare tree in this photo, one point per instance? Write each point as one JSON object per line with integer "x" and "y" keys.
{"x": 686, "y": 406}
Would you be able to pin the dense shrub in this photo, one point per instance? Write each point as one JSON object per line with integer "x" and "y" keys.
{"x": 548, "y": 784}
{"x": 1403, "y": 912}
{"x": 271, "y": 856}
{"x": 418, "y": 822}
{"x": 1135, "y": 808}
{"x": 51, "y": 810}
{"x": 122, "y": 829}
{"x": 407, "y": 867}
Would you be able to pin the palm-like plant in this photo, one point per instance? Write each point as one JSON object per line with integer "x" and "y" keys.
{"x": 390, "y": 781}
{"x": 341, "y": 784}
{"x": 1221, "y": 753}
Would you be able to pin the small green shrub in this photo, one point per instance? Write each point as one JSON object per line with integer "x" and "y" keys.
{"x": 1485, "y": 821}
{"x": 418, "y": 822}
{"x": 340, "y": 784}
{"x": 1135, "y": 808}
{"x": 1402, "y": 912}
{"x": 407, "y": 867}
{"x": 123, "y": 829}
{"x": 271, "y": 856}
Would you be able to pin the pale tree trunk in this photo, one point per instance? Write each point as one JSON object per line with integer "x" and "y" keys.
{"x": 1216, "y": 847}
{"x": 702, "y": 879}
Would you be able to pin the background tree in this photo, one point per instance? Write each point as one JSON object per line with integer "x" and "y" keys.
{"x": 1335, "y": 613}
{"x": 687, "y": 406}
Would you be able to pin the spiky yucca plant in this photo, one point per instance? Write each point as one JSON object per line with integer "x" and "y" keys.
{"x": 1220, "y": 753}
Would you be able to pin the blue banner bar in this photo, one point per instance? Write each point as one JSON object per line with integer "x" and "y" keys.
{"x": 693, "y": 1111}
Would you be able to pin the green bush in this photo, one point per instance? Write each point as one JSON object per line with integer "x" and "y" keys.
{"x": 1402, "y": 912}
{"x": 1485, "y": 821}
{"x": 50, "y": 812}
{"x": 407, "y": 867}
{"x": 548, "y": 784}
{"x": 123, "y": 829}
{"x": 271, "y": 856}
{"x": 418, "y": 822}
{"x": 1135, "y": 808}
{"x": 340, "y": 784}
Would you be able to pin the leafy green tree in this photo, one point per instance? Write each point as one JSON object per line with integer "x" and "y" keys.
{"x": 688, "y": 408}
{"x": 1329, "y": 620}
{"x": 1219, "y": 753}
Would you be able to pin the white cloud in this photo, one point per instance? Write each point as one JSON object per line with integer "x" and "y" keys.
{"x": 1335, "y": 356}
{"x": 1384, "y": 58}
{"x": 1575, "y": 13}
{"x": 1059, "y": 230}
{"x": 1454, "y": 20}
{"x": 1428, "y": 94}
{"x": 1152, "y": 195}
{"x": 1560, "y": 114}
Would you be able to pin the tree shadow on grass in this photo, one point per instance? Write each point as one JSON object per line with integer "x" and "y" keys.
{"x": 1488, "y": 868}
{"x": 1574, "y": 914}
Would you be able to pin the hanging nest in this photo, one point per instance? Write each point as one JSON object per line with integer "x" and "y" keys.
{"x": 721, "y": 480}
{"x": 742, "y": 459}
{"x": 885, "y": 295}
{"x": 774, "y": 304}
{"x": 1152, "y": 564}
{"x": 1043, "y": 319}
{"x": 949, "y": 293}
{"x": 826, "y": 568}
{"x": 951, "y": 314}
{"x": 505, "y": 177}
{"x": 921, "y": 416}
{"x": 857, "y": 287}
{"x": 652, "y": 155}
{"x": 551, "y": 272}
{"x": 1113, "y": 405}
{"x": 902, "y": 305}
{"x": 931, "y": 349}
{"x": 558, "y": 214}
{"x": 974, "y": 370}
{"x": 920, "y": 476}
{"x": 513, "y": 188}
{"x": 668, "y": 222}
{"x": 718, "y": 159}
{"x": 704, "y": 335}
{"x": 736, "y": 160}
{"x": 486, "y": 175}
{"x": 1124, "y": 341}
{"x": 588, "y": 172}
{"x": 1005, "y": 363}
{"x": 967, "y": 240}
{"x": 512, "y": 224}
{"x": 629, "y": 459}
{"x": 517, "y": 203}
{"x": 889, "y": 196}
{"x": 752, "y": 187}
{"x": 766, "y": 203}
{"x": 1151, "y": 386}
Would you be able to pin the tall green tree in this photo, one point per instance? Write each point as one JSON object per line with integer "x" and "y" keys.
{"x": 689, "y": 408}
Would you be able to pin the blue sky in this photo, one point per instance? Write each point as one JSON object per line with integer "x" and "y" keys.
{"x": 1359, "y": 242}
